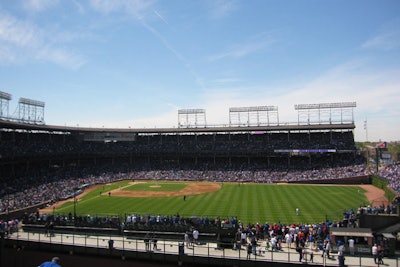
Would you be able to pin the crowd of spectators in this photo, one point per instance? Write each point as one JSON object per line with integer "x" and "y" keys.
{"x": 391, "y": 172}
{"x": 13, "y": 144}
{"x": 95, "y": 221}
{"x": 305, "y": 238}
{"x": 29, "y": 191}
{"x": 9, "y": 226}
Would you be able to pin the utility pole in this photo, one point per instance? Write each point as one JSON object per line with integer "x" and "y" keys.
{"x": 366, "y": 130}
{"x": 377, "y": 153}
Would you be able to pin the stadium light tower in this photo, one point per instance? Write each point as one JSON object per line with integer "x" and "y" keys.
{"x": 253, "y": 116}
{"x": 4, "y": 103}
{"x": 342, "y": 112}
{"x": 190, "y": 118}
{"x": 31, "y": 111}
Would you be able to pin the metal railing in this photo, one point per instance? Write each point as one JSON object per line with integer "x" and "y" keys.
{"x": 120, "y": 245}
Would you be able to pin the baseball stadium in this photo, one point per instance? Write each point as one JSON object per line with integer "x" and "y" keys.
{"x": 254, "y": 191}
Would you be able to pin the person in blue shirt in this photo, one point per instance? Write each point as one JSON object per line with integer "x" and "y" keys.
{"x": 53, "y": 263}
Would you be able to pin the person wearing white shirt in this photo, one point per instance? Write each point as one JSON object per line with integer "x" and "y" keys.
{"x": 375, "y": 253}
{"x": 351, "y": 246}
{"x": 195, "y": 236}
{"x": 288, "y": 238}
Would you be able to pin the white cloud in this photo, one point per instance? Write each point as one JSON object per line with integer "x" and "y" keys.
{"x": 137, "y": 8}
{"x": 161, "y": 17}
{"x": 222, "y": 8}
{"x": 60, "y": 57}
{"x": 15, "y": 32}
{"x": 387, "y": 39}
{"x": 78, "y": 6}
{"x": 224, "y": 81}
{"x": 22, "y": 41}
{"x": 241, "y": 50}
{"x": 39, "y": 5}
{"x": 167, "y": 119}
{"x": 374, "y": 91}
{"x": 6, "y": 55}
{"x": 106, "y": 6}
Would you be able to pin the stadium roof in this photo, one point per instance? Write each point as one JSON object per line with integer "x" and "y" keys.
{"x": 12, "y": 125}
{"x": 347, "y": 231}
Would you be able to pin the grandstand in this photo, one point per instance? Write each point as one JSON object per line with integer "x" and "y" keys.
{"x": 29, "y": 148}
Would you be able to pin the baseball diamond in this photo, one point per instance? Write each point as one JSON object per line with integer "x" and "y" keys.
{"x": 204, "y": 198}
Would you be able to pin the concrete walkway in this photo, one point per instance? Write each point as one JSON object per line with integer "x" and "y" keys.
{"x": 202, "y": 250}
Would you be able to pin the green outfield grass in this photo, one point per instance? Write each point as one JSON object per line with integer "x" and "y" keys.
{"x": 249, "y": 202}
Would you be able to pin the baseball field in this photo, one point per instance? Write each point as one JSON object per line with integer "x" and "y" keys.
{"x": 250, "y": 203}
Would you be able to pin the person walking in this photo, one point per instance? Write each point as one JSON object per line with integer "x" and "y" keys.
{"x": 327, "y": 249}
{"x": 147, "y": 241}
{"x": 351, "y": 246}
{"x": 53, "y": 263}
{"x": 196, "y": 236}
{"x": 274, "y": 243}
{"x": 375, "y": 253}
{"x": 380, "y": 257}
{"x": 340, "y": 258}
{"x": 186, "y": 239}
{"x": 238, "y": 244}
{"x": 301, "y": 251}
{"x": 154, "y": 240}
{"x": 253, "y": 242}
{"x": 249, "y": 250}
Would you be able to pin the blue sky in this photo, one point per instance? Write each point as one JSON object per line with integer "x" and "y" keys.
{"x": 135, "y": 63}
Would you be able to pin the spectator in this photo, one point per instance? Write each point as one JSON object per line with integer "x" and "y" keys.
{"x": 326, "y": 249}
{"x": 53, "y": 263}
{"x": 187, "y": 239}
{"x": 380, "y": 257}
{"x": 341, "y": 258}
{"x": 351, "y": 246}
{"x": 249, "y": 250}
{"x": 195, "y": 236}
{"x": 375, "y": 253}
